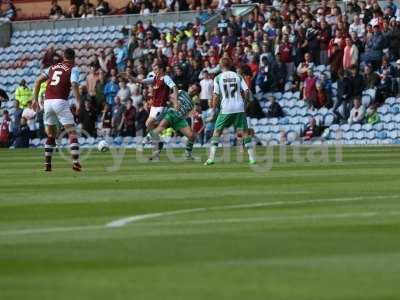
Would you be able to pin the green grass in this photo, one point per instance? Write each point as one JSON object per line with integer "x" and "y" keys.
{"x": 324, "y": 230}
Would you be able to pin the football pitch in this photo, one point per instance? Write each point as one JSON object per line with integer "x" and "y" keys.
{"x": 181, "y": 230}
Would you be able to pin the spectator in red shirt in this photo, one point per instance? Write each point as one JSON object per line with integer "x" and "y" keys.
{"x": 321, "y": 96}
{"x": 338, "y": 40}
{"x": 285, "y": 51}
{"x": 324, "y": 38}
{"x": 310, "y": 89}
{"x": 198, "y": 125}
{"x": 128, "y": 120}
{"x": 5, "y": 130}
{"x": 336, "y": 61}
{"x": 253, "y": 65}
{"x": 311, "y": 130}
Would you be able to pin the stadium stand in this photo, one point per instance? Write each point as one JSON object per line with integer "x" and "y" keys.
{"x": 297, "y": 95}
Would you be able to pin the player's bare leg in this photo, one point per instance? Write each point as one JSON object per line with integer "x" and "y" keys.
{"x": 213, "y": 149}
{"x": 248, "y": 144}
{"x": 151, "y": 125}
{"x": 187, "y": 131}
{"x": 74, "y": 147}
{"x": 49, "y": 146}
{"x": 155, "y": 138}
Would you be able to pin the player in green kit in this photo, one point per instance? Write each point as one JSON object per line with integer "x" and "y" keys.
{"x": 175, "y": 117}
{"x": 228, "y": 88}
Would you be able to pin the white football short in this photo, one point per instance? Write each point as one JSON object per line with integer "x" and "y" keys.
{"x": 155, "y": 112}
{"x": 57, "y": 109}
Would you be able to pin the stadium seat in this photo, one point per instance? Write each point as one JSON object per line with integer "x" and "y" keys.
{"x": 377, "y": 127}
{"x": 381, "y": 135}
{"x": 384, "y": 109}
{"x": 273, "y": 121}
{"x": 393, "y": 134}
{"x": 361, "y": 135}
{"x": 367, "y": 127}
{"x": 348, "y": 135}
{"x": 394, "y": 109}
{"x": 253, "y": 122}
{"x": 390, "y": 101}
{"x": 287, "y": 95}
{"x": 345, "y": 127}
{"x": 386, "y": 118}
{"x": 296, "y": 95}
{"x": 329, "y": 118}
{"x": 355, "y": 127}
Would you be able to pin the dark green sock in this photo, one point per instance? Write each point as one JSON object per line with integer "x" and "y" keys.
{"x": 189, "y": 147}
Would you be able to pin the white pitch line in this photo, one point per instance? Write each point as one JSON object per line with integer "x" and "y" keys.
{"x": 125, "y": 221}
{"x": 277, "y": 203}
{"x": 132, "y": 219}
{"x": 367, "y": 214}
{"x": 50, "y": 230}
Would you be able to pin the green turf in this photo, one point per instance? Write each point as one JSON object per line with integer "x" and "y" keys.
{"x": 323, "y": 230}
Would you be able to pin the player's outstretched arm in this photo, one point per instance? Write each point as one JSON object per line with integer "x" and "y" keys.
{"x": 42, "y": 78}
{"x": 146, "y": 81}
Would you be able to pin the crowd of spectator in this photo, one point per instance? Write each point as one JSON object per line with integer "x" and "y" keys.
{"x": 80, "y": 9}
{"x": 87, "y": 9}
{"x": 276, "y": 48}
{"x": 8, "y": 12}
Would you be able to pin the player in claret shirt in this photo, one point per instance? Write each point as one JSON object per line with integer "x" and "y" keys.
{"x": 162, "y": 86}
{"x": 61, "y": 78}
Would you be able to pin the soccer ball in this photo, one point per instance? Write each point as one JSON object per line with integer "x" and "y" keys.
{"x": 103, "y": 146}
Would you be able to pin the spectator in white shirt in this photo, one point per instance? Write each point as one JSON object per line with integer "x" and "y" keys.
{"x": 133, "y": 86}
{"x": 358, "y": 27}
{"x": 137, "y": 98}
{"x": 357, "y": 113}
{"x": 124, "y": 93}
{"x": 30, "y": 115}
{"x": 207, "y": 86}
{"x": 103, "y": 60}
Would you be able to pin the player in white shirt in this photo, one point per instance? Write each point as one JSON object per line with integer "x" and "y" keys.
{"x": 228, "y": 89}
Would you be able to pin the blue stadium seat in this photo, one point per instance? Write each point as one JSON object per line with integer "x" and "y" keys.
{"x": 395, "y": 109}
{"x": 328, "y": 119}
{"x": 345, "y": 127}
{"x": 348, "y": 135}
{"x": 361, "y": 134}
{"x": 381, "y": 135}
{"x": 355, "y": 127}
{"x": 393, "y": 134}
{"x": 386, "y": 118}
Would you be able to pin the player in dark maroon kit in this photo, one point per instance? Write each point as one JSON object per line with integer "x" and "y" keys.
{"x": 61, "y": 78}
{"x": 162, "y": 86}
